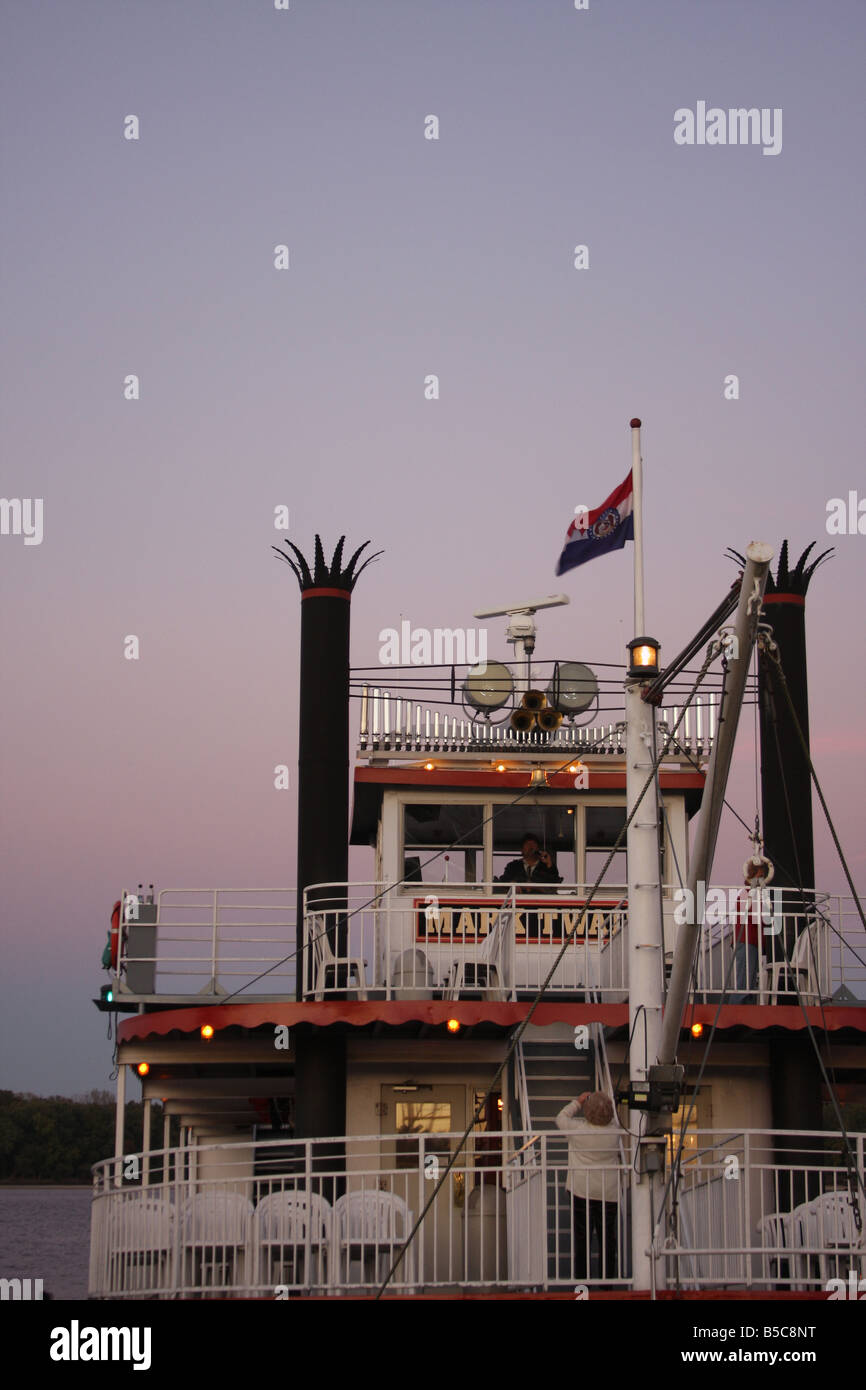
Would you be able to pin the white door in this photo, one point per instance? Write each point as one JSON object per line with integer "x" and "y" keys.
{"x": 430, "y": 1111}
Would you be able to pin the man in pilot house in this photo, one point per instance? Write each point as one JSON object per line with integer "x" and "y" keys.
{"x": 535, "y": 865}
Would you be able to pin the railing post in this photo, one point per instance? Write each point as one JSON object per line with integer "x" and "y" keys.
{"x": 119, "y": 1117}
{"x": 176, "y": 1274}
{"x": 512, "y": 943}
{"x": 386, "y": 947}
{"x": 303, "y": 980}
{"x": 145, "y": 1142}
{"x": 213, "y": 949}
{"x": 419, "y": 1239}
{"x": 545, "y": 1257}
{"x": 747, "y": 1198}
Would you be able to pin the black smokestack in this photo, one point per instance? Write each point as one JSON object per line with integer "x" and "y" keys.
{"x": 323, "y": 808}
{"x": 786, "y": 809}
{"x": 786, "y": 783}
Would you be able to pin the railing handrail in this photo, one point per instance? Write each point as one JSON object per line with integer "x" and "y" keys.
{"x": 415, "y": 886}
{"x": 385, "y": 1141}
{"x": 220, "y": 934}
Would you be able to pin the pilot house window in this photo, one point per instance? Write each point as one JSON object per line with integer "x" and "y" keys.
{"x": 552, "y": 826}
{"x": 430, "y": 829}
{"x": 603, "y": 825}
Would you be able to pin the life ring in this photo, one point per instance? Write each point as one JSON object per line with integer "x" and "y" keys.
{"x": 114, "y": 936}
{"x": 755, "y": 862}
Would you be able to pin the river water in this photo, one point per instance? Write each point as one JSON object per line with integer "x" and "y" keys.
{"x": 45, "y": 1234}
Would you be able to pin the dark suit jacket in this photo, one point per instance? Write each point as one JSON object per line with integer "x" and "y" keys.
{"x": 515, "y": 872}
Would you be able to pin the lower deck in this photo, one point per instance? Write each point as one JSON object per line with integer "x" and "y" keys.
{"x": 749, "y": 1211}
{"x": 447, "y": 1175}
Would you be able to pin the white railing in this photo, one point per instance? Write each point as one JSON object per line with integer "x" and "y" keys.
{"x": 765, "y": 1209}
{"x": 806, "y": 952}
{"x": 422, "y": 940}
{"x": 331, "y": 1217}
{"x": 390, "y": 723}
{"x": 753, "y": 1209}
{"x": 195, "y": 943}
{"x": 443, "y": 940}
{"x": 425, "y": 941}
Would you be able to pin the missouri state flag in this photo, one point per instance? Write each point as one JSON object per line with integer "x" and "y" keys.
{"x": 606, "y": 528}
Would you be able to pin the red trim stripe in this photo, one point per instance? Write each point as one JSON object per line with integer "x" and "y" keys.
{"x": 560, "y": 781}
{"x": 798, "y": 600}
{"x": 436, "y": 1012}
{"x": 326, "y": 593}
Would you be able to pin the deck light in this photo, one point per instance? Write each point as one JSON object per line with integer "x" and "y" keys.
{"x": 143, "y": 1068}
{"x": 643, "y": 656}
{"x": 428, "y": 767}
{"x": 207, "y": 1031}
{"x": 500, "y": 767}
{"x": 488, "y": 686}
{"x": 573, "y": 688}
{"x": 697, "y": 1030}
{"x": 453, "y": 1025}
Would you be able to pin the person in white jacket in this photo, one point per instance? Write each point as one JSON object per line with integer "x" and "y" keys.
{"x": 594, "y": 1161}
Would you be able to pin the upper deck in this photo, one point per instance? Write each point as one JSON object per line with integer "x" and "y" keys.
{"x": 215, "y": 946}
{"x": 444, "y": 802}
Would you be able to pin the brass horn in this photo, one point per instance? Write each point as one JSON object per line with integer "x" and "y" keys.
{"x": 522, "y": 720}
{"x": 549, "y": 720}
{"x": 534, "y": 700}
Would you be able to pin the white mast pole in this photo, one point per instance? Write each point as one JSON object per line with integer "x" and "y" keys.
{"x": 637, "y": 485}
{"x": 645, "y": 945}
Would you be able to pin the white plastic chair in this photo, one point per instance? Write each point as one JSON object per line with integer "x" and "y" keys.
{"x": 782, "y": 1240}
{"x": 490, "y": 969}
{"x": 369, "y": 1229}
{"x": 831, "y": 1232}
{"x": 803, "y": 964}
{"x": 141, "y": 1242}
{"x": 292, "y": 1236}
{"x": 412, "y": 975}
{"x": 328, "y": 967}
{"x": 215, "y": 1233}
{"x": 482, "y": 973}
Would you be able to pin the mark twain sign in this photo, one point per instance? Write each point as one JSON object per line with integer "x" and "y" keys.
{"x": 545, "y": 922}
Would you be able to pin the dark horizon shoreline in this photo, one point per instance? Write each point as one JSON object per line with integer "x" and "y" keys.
{"x": 37, "y": 1182}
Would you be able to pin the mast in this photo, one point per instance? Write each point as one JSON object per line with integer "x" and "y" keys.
{"x": 645, "y": 952}
{"x": 637, "y": 491}
{"x": 645, "y": 934}
{"x": 758, "y": 557}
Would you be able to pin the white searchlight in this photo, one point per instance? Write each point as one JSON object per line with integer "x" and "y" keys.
{"x": 573, "y": 688}
{"x": 488, "y": 686}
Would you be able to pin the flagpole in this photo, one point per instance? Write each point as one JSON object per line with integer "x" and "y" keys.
{"x": 637, "y": 486}
{"x": 645, "y": 944}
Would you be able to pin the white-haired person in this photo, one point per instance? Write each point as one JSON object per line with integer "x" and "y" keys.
{"x": 594, "y": 1159}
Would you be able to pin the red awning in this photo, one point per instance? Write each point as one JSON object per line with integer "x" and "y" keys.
{"x": 436, "y": 1013}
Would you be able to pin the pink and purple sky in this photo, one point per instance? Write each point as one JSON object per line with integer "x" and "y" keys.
{"x": 408, "y": 257}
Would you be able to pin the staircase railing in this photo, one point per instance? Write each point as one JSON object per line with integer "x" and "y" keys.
{"x": 523, "y": 1095}
{"x": 502, "y": 932}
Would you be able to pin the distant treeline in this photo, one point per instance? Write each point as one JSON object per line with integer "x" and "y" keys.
{"x": 55, "y": 1139}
